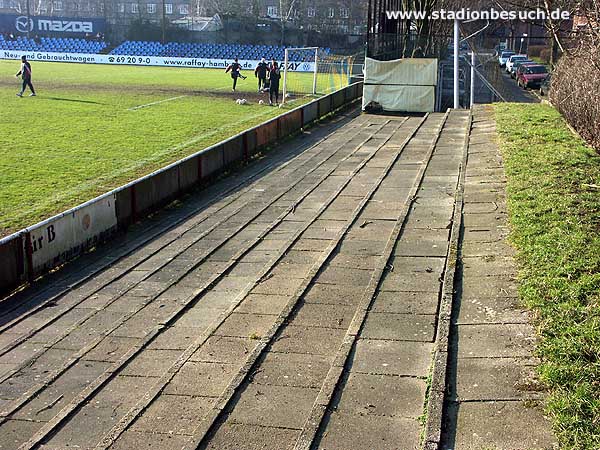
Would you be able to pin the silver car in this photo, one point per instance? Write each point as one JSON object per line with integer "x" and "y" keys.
{"x": 504, "y": 55}
{"x": 513, "y": 59}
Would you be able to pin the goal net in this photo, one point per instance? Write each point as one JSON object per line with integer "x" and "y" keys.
{"x": 313, "y": 71}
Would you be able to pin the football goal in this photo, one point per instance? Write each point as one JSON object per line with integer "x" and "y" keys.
{"x": 312, "y": 71}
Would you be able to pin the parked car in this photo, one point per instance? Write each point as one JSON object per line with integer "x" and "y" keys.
{"x": 513, "y": 59}
{"x": 500, "y": 48}
{"x": 532, "y": 76}
{"x": 504, "y": 57}
{"x": 516, "y": 65}
{"x": 521, "y": 68}
{"x": 545, "y": 86}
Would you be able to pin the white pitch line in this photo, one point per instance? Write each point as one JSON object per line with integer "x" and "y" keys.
{"x": 139, "y": 163}
{"x": 156, "y": 103}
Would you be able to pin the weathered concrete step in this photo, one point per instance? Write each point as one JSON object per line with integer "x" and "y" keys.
{"x": 160, "y": 310}
{"x": 394, "y": 345}
{"x": 494, "y": 397}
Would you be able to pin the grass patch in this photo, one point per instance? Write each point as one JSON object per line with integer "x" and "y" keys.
{"x": 539, "y": 60}
{"x": 554, "y": 205}
{"x": 83, "y": 135}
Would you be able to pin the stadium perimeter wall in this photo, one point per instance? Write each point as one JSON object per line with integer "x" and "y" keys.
{"x": 130, "y": 60}
{"x": 33, "y": 251}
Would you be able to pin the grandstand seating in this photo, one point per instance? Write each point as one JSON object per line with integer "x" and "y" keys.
{"x": 196, "y": 50}
{"x": 60, "y": 45}
{"x": 145, "y": 48}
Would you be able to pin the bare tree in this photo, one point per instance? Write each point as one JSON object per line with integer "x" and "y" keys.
{"x": 286, "y": 9}
{"x": 227, "y": 7}
{"x": 576, "y": 78}
{"x": 555, "y": 27}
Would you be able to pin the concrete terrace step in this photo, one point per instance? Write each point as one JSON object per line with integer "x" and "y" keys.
{"x": 300, "y": 310}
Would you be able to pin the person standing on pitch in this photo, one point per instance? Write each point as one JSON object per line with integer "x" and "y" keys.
{"x": 235, "y": 69}
{"x": 25, "y": 73}
{"x": 274, "y": 76}
{"x": 261, "y": 73}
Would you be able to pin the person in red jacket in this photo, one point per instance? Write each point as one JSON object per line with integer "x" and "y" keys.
{"x": 25, "y": 74}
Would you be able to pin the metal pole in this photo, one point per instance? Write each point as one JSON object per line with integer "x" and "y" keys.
{"x": 350, "y": 64}
{"x": 285, "y": 66}
{"x": 369, "y": 25}
{"x": 456, "y": 49}
{"x": 472, "y": 79}
{"x": 164, "y": 21}
{"x": 28, "y": 20}
{"x": 316, "y": 71}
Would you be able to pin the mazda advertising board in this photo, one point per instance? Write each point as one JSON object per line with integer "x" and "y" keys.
{"x": 20, "y": 24}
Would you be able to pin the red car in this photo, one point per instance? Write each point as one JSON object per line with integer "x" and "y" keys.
{"x": 531, "y": 75}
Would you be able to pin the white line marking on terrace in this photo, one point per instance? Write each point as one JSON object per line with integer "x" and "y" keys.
{"x": 156, "y": 103}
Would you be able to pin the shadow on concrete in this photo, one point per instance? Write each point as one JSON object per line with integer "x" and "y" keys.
{"x": 144, "y": 233}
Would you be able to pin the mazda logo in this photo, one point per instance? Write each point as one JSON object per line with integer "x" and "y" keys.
{"x": 23, "y": 24}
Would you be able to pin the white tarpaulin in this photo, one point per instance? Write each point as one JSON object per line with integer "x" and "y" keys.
{"x": 401, "y": 85}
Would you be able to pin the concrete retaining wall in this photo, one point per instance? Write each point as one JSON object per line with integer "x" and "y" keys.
{"x": 33, "y": 251}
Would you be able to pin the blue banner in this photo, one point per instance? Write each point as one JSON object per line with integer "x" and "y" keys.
{"x": 20, "y": 24}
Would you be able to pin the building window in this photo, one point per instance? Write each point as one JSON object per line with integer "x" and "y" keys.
{"x": 75, "y": 6}
{"x": 183, "y": 10}
{"x": 43, "y": 7}
{"x": 151, "y": 8}
{"x": 168, "y": 8}
{"x": 330, "y": 13}
{"x": 134, "y": 8}
{"x": 121, "y": 8}
{"x": 344, "y": 13}
{"x": 272, "y": 11}
{"x": 57, "y": 6}
{"x": 311, "y": 11}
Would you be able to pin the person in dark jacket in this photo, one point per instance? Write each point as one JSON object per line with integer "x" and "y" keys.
{"x": 236, "y": 72}
{"x": 274, "y": 77}
{"x": 25, "y": 74}
{"x": 261, "y": 73}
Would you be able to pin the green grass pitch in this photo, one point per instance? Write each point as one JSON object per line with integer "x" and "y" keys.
{"x": 94, "y": 127}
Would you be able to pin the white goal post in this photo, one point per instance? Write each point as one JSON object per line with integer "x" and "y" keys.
{"x": 286, "y": 62}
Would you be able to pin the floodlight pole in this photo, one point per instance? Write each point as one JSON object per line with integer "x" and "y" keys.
{"x": 456, "y": 49}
